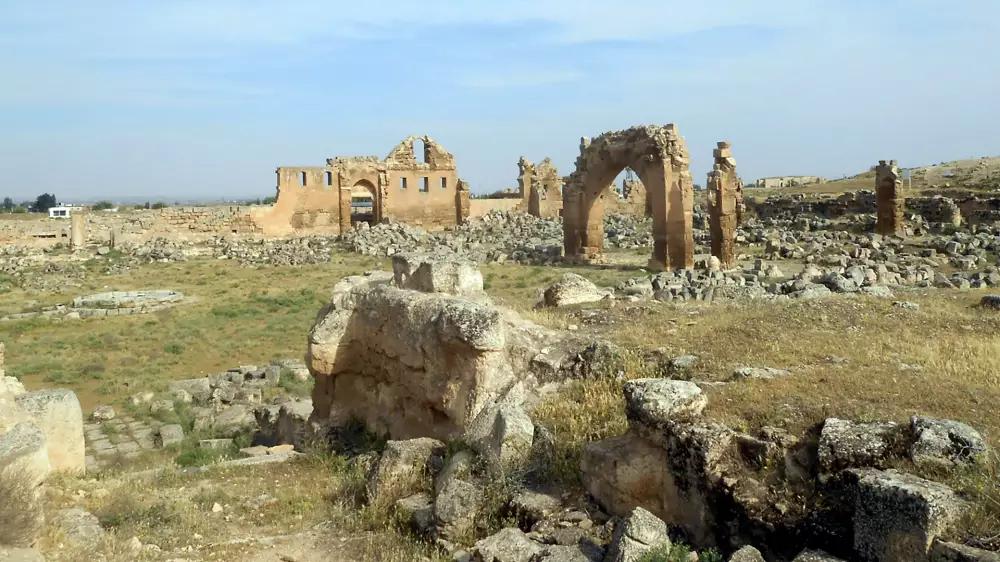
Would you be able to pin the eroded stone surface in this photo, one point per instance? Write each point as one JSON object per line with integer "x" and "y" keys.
{"x": 898, "y": 515}
{"x": 654, "y": 401}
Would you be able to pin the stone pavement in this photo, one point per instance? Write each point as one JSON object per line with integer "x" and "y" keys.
{"x": 122, "y": 437}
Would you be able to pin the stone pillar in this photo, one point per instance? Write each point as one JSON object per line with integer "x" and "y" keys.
{"x": 680, "y": 218}
{"x": 723, "y": 187}
{"x": 571, "y": 220}
{"x": 890, "y": 199}
{"x": 77, "y": 230}
{"x": 525, "y": 182}
{"x": 345, "y": 209}
{"x": 462, "y": 204}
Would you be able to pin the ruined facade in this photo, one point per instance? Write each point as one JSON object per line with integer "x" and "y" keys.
{"x": 723, "y": 204}
{"x": 540, "y": 187}
{"x": 401, "y": 187}
{"x": 890, "y": 199}
{"x": 658, "y": 155}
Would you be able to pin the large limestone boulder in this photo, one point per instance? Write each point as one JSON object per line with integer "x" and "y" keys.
{"x": 287, "y": 422}
{"x": 944, "y": 443}
{"x": 572, "y": 289}
{"x": 943, "y": 551}
{"x": 459, "y": 496}
{"x": 23, "y": 448}
{"x": 508, "y": 545}
{"x": 655, "y": 401}
{"x": 747, "y": 554}
{"x": 405, "y": 468}
{"x": 847, "y": 444}
{"x": 636, "y": 535}
{"x": 897, "y": 515}
{"x": 424, "y": 273}
{"x": 411, "y": 363}
{"x": 57, "y": 413}
{"x": 11, "y": 412}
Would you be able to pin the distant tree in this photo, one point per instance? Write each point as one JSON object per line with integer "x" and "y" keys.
{"x": 8, "y": 204}
{"x": 269, "y": 200}
{"x": 158, "y": 205}
{"x": 44, "y": 202}
{"x": 103, "y": 206}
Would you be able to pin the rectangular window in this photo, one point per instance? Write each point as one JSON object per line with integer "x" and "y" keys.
{"x": 302, "y": 178}
{"x": 444, "y": 183}
{"x": 426, "y": 186}
{"x": 402, "y": 183}
{"x": 329, "y": 178}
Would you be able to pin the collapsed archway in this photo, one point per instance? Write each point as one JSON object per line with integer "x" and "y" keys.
{"x": 659, "y": 156}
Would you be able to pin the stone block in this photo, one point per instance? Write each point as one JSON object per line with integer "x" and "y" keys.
{"x": 58, "y": 414}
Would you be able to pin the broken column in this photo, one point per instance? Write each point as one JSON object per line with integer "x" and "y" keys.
{"x": 77, "y": 230}
{"x": 525, "y": 180}
{"x": 890, "y": 199}
{"x": 723, "y": 205}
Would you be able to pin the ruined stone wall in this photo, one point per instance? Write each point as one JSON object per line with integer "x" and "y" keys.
{"x": 133, "y": 226}
{"x": 540, "y": 187}
{"x": 481, "y": 207}
{"x": 934, "y": 209}
{"x": 317, "y": 200}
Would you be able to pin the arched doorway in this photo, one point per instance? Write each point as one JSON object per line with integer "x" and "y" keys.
{"x": 364, "y": 204}
{"x": 659, "y": 157}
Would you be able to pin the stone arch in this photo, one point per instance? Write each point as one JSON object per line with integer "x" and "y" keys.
{"x": 365, "y": 187}
{"x": 659, "y": 156}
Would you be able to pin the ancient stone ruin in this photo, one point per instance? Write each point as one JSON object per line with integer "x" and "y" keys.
{"x": 423, "y": 190}
{"x": 724, "y": 200}
{"x": 540, "y": 187}
{"x": 422, "y": 352}
{"x": 708, "y": 479}
{"x": 659, "y": 156}
{"x": 891, "y": 201}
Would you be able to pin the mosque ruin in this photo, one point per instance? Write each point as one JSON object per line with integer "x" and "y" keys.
{"x": 423, "y": 191}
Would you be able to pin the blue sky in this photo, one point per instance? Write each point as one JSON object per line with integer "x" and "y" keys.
{"x": 204, "y": 98}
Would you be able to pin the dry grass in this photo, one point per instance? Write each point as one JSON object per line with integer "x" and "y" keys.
{"x": 20, "y": 508}
{"x": 235, "y": 316}
{"x": 293, "y": 505}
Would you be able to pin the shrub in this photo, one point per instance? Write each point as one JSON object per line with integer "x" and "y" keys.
{"x": 20, "y": 510}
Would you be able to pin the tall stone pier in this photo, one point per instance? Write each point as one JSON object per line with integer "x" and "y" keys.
{"x": 724, "y": 200}
{"x": 890, "y": 199}
{"x": 77, "y": 230}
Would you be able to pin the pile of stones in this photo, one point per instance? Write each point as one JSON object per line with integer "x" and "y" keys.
{"x": 297, "y": 251}
{"x": 497, "y": 237}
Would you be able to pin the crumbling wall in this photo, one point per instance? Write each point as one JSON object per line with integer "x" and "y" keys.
{"x": 421, "y": 191}
{"x": 658, "y": 155}
{"x": 540, "y": 187}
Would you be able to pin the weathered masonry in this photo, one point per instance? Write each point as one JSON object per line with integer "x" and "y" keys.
{"x": 401, "y": 187}
{"x": 890, "y": 199}
{"x": 540, "y": 187}
{"x": 659, "y": 156}
{"x": 724, "y": 200}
